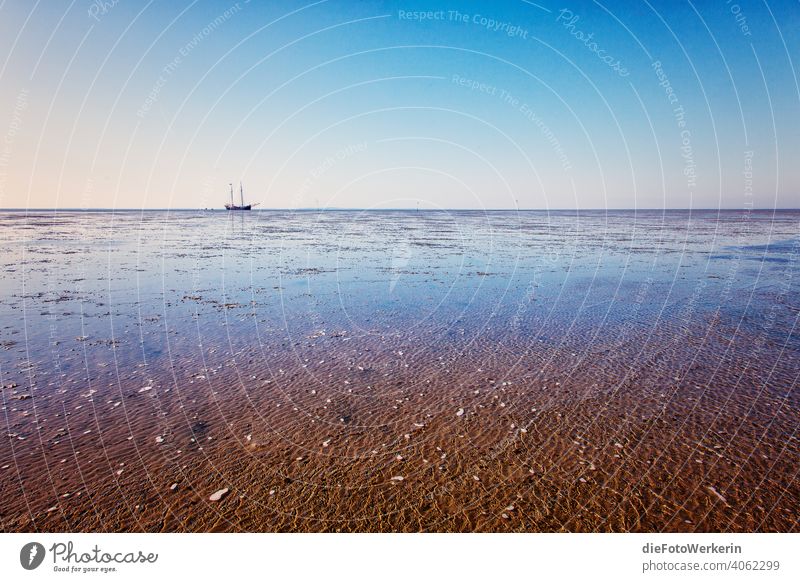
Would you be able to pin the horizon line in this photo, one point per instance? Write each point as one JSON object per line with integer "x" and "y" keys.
{"x": 397, "y": 209}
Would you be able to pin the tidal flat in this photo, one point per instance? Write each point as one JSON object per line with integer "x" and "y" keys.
{"x": 381, "y": 371}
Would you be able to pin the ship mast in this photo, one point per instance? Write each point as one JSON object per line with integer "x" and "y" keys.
{"x": 231, "y": 185}
{"x": 241, "y": 194}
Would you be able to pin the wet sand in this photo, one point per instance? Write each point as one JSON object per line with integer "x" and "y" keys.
{"x": 400, "y": 371}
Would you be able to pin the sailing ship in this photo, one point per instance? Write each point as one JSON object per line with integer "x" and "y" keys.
{"x": 243, "y": 206}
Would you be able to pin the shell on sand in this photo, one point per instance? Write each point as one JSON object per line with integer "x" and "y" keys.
{"x": 217, "y": 495}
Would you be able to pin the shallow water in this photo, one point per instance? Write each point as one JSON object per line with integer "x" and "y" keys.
{"x": 531, "y": 371}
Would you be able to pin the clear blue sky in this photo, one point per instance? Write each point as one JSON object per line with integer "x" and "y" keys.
{"x": 362, "y": 104}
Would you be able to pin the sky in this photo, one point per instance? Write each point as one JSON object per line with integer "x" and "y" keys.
{"x": 372, "y": 104}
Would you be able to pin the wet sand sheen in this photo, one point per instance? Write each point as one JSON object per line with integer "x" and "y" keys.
{"x": 398, "y": 372}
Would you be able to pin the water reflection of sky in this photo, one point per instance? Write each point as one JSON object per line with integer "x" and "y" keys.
{"x": 154, "y": 281}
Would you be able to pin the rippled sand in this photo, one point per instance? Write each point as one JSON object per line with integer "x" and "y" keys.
{"x": 400, "y": 371}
